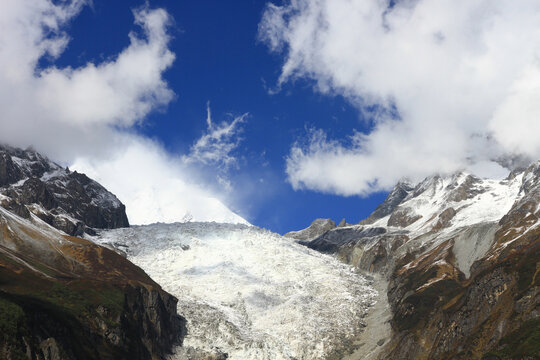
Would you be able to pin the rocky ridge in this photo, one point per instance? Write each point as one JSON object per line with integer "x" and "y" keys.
{"x": 71, "y": 202}
{"x": 317, "y": 228}
{"x": 461, "y": 258}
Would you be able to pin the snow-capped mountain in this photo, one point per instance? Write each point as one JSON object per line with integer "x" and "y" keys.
{"x": 460, "y": 255}
{"x": 443, "y": 269}
{"x": 249, "y": 293}
{"x": 32, "y": 184}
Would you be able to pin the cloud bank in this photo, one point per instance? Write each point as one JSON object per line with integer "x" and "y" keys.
{"x": 75, "y": 108}
{"x": 446, "y": 85}
{"x": 84, "y": 116}
{"x": 155, "y": 186}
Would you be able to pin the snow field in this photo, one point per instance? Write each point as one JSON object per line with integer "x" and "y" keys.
{"x": 248, "y": 292}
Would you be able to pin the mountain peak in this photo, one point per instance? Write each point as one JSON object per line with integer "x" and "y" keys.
{"x": 33, "y": 185}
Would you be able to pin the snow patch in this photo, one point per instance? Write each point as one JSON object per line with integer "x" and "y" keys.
{"x": 472, "y": 244}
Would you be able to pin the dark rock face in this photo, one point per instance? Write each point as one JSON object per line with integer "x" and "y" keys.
{"x": 466, "y": 190}
{"x": 66, "y": 298}
{"x": 403, "y": 217}
{"x": 445, "y": 218}
{"x": 67, "y": 200}
{"x": 145, "y": 328}
{"x": 331, "y": 241}
{"x": 396, "y": 196}
{"x": 150, "y": 318}
{"x": 9, "y": 172}
{"x": 372, "y": 254}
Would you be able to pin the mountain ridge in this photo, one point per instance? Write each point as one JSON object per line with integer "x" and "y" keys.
{"x": 461, "y": 257}
{"x": 66, "y": 200}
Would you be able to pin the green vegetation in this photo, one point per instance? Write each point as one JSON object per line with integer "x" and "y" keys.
{"x": 81, "y": 297}
{"x": 11, "y": 317}
{"x": 68, "y": 303}
{"x": 525, "y": 341}
{"x": 12, "y": 323}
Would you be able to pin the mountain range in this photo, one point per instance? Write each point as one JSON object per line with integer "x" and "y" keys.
{"x": 446, "y": 268}
{"x": 459, "y": 260}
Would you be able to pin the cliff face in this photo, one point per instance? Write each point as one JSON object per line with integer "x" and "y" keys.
{"x": 68, "y": 201}
{"x": 461, "y": 257}
{"x": 66, "y": 298}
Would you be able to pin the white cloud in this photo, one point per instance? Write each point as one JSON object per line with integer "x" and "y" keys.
{"x": 126, "y": 88}
{"x": 83, "y": 116}
{"x": 216, "y": 146}
{"x": 75, "y": 108}
{"x": 462, "y": 75}
{"x": 153, "y": 185}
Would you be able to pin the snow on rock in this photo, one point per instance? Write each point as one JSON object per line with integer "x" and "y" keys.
{"x": 248, "y": 292}
{"x": 475, "y": 201}
{"x": 67, "y": 200}
{"x": 473, "y": 243}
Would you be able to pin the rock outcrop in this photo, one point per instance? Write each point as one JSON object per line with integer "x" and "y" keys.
{"x": 317, "y": 228}
{"x": 68, "y": 201}
{"x": 394, "y": 198}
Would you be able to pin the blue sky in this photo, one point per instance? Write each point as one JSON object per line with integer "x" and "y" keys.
{"x": 220, "y": 60}
{"x": 344, "y": 98}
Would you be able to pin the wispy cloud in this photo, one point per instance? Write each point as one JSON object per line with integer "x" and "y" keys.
{"x": 459, "y": 82}
{"x": 218, "y": 143}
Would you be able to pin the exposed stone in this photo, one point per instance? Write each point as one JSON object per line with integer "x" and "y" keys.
{"x": 403, "y": 217}
{"x": 49, "y": 350}
{"x": 67, "y": 200}
{"x": 9, "y": 172}
{"x": 464, "y": 190}
{"x": 467, "y": 292}
{"x": 332, "y": 240}
{"x": 72, "y": 299}
{"x": 317, "y": 228}
{"x": 445, "y": 218}
{"x": 394, "y": 198}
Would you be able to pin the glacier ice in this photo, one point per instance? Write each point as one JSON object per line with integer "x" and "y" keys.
{"x": 248, "y": 292}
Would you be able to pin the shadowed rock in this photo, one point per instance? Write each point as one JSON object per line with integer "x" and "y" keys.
{"x": 66, "y": 200}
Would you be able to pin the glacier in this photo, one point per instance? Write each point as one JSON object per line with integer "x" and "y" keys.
{"x": 248, "y": 292}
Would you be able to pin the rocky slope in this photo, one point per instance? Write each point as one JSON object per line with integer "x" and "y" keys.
{"x": 63, "y": 297}
{"x": 68, "y": 201}
{"x": 461, "y": 258}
